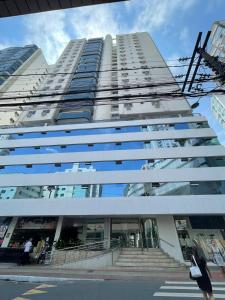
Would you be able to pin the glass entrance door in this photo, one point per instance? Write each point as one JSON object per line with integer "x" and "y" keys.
{"x": 134, "y": 232}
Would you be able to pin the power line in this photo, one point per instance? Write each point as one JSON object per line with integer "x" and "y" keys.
{"x": 174, "y": 94}
{"x": 104, "y": 88}
{"x": 98, "y": 71}
{"x": 124, "y": 87}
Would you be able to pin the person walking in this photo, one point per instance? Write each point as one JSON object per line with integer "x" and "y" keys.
{"x": 218, "y": 257}
{"x": 203, "y": 282}
{"x": 26, "y": 252}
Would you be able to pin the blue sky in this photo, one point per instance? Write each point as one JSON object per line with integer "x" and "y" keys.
{"x": 173, "y": 24}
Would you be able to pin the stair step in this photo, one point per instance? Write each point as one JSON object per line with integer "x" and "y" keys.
{"x": 124, "y": 259}
{"x": 144, "y": 256}
{"x": 145, "y": 264}
{"x": 151, "y": 250}
{"x": 145, "y": 253}
{"x": 146, "y": 259}
{"x": 144, "y": 270}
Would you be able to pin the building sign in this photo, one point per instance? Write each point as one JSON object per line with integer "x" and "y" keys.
{"x": 37, "y": 223}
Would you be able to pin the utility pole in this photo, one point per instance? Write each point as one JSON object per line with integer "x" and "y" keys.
{"x": 211, "y": 61}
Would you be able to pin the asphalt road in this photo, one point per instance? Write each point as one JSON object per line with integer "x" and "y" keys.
{"x": 104, "y": 290}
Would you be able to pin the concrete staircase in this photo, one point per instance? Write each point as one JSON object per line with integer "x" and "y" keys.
{"x": 147, "y": 260}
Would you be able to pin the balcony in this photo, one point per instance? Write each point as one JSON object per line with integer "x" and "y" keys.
{"x": 80, "y": 96}
{"x": 85, "y": 75}
{"x": 74, "y": 117}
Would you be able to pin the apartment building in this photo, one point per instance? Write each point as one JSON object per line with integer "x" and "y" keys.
{"x": 22, "y": 71}
{"x": 159, "y": 167}
{"x": 217, "y": 48}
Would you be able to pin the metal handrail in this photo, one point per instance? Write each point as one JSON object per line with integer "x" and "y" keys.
{"x": 168, "y": 243}
{"x": 73, "y": 254}
{"x": 81, "y": 247}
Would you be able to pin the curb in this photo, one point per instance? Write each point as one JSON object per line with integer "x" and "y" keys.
{"x": 37, "y": 279}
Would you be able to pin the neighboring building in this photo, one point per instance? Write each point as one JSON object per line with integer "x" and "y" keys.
{"x": 72, "y": 191}
{"x": 218, "y": 108}
{"x": 9, "y": 8}
{"x": 217, "y": 48}
{"x": 19, "y": 62}
{"x": 217, "y": 38}
{"x": 20, "y": 192}
{"x": 120, "y": 120}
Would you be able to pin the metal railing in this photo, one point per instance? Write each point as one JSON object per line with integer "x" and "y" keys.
{"x": 166, "y": 242}
{"x": 76, "y": 253}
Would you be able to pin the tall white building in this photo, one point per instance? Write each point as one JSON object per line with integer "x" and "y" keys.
{"x": 113, "y": 112}
{"x": 22, "y": 71}
{"x": 217, "y": 48}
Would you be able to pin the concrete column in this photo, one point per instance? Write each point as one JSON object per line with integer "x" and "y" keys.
{"x": 107, "y": 231}
{"x": 9, "y": 232}
{"x": 169, "y": 241}
{"x": 58, "y": 229}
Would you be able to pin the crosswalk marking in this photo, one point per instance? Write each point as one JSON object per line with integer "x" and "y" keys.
{"x": 34, "y": 292}
{"x": 19, "y": 298}
{"x": 188, "y": 289}
{"x": 193, "y": 282}
{"x": 187, "y": 295}
{"x": 169, "y": 287}
{"x": 45, "y": 286}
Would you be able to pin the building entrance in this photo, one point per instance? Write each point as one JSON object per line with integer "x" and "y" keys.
{"x": 134, "y": 232}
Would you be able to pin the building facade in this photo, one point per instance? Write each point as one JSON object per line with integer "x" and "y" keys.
{"x": 156, "y": 169}
{"x": 217, "y": 48}
{"x": 17, "y": 63}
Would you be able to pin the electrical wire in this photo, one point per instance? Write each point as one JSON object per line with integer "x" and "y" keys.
{"x": 98, "y": 71}
{"x": 154, "y": 96}
{"x": 105, "y": 88}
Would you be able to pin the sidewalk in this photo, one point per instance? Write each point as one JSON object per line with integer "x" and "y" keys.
{"x": 48, "y": 273}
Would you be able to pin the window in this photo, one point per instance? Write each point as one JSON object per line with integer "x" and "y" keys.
{"x": 60, "y": 80}
{"x": 148, "y": 78}
{"x": 124, "y": 74}
{"x": 61, "y": 195}
{"x": 57, "y": 87}
{"x": 45, "y": 88}
{"x": 30, "y": 113}
{"x": 115, "y": 116}
{"x": 128, "y": 106}
{"x": 45, "y": 112}
{"x": 49, "y": 81}
{"x": 115, "y": 107}
{"x": 84, "y": 187}
{"x": 3, "y": 191}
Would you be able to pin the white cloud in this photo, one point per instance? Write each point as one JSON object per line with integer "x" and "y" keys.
{"x": 47, "y": 31}
{"x": 50, "y": 30}
{"x": 184, "y": 35}
{"x": 94, "y": 21}
{"x": 153, "y": 14}
{"x": 5, "y": 45}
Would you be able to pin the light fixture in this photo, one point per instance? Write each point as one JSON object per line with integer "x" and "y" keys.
{"x": 194, "y": 105}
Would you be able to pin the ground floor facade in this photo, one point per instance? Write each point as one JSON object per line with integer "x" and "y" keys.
{"x": 174, "y": 234}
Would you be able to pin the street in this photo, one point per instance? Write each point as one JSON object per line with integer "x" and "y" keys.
{"x": 105, "y": 290}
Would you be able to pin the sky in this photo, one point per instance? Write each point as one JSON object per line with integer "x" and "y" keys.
{"x": 173, "y": 24}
